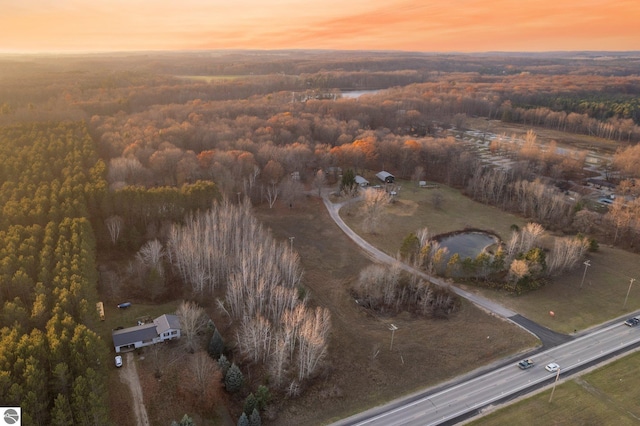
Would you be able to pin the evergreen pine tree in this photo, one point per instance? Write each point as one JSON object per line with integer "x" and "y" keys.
{"x": 250, "y": 404}
{"x": 61, "y": 413}
{"x": 243, "y": 420}
{"x": 223, "y": 364}
{"x": 262, "y": 397}
{"x": 348, "y": 182}
{"x": 234, "y": 379}
{"x": 254, "y": 418}
{"x": 216, "y": 345}
{"x": 186, "y": 421}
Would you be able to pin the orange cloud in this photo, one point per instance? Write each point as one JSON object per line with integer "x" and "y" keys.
{"x": 436, "y": 25}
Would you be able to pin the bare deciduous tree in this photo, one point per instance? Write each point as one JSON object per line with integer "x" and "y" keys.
{"x": 373, "y": 206}
{"x": 262, "y": 277}
{"x": 319, "y": 181}
{"x": 291, "y": 190}
{"x": 313, "y": 341}
{"x": 566, "y": 254}
{"x": 114, "y": 226}
{"x": 279, "y": 359}
{"x": 523, "y": 240}
{"x": 271, "y": 194}
{"x": 193, "y": 322}
{"x": 254, "y": 338}
{"x": 202, "y": 380}
{"x": 151, "y": 255}
{"x": 127, "y": 170}
{"x": 619, "y": 215}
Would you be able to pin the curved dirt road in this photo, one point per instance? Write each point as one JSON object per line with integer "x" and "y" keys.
{"x": 129, "y": 375}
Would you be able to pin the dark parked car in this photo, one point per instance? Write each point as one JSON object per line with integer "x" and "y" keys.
{"x": 632, "y": 322}
{"x": 525, "y": 363}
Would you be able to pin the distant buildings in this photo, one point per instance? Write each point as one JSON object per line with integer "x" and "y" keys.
{"x": 361, "y": 181}
{"x": 385, "y": 177}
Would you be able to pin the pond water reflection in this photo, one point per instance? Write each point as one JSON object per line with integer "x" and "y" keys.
{"x": 467, "y": 244}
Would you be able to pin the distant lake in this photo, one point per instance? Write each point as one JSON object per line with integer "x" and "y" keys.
{"x": 357, "y": 93}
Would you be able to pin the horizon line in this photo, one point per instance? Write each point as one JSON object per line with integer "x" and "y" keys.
{"x": 426, "y": 52}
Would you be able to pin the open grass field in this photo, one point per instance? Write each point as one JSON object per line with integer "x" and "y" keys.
{"x": 414, "y": 209}
{"x": 362, "y": 369}
{"x": 606, "y": 396}
{"x": 601, "y": 297}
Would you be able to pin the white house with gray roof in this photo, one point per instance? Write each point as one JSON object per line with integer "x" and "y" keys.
{"x": 165, "y": 327}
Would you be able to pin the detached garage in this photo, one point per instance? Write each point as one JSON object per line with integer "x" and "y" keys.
{"x": 385, "y": 177}
{"x": 361, "y": 181}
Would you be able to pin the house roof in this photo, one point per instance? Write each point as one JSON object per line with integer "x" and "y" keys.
{"x": 359, "y": 179}
{"x": 130, "y": 335}
{"x": 384, "y": 174}
{"x": 140, "y": 333}
{"x": 167, "y": 322}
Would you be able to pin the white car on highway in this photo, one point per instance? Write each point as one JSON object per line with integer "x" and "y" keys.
{"x": 552, "y": 367}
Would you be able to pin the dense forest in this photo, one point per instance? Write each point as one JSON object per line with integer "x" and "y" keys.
{"x": 51, "y": 363}
{"x": 111, "y": 153}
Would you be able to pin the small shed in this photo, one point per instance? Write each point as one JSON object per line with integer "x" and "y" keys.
{"x": 385, "y": 177}
{"x": 361, "y": 181}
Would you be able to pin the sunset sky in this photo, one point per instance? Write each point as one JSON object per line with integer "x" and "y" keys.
{"x": 409, "y": 25}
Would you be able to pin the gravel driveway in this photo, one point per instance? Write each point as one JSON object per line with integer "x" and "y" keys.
{"x": 129, "y": 375}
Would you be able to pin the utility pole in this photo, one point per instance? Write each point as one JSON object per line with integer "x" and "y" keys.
{"x": 393, "y": 329}
{"x": 554, "y": 385}
{"x": 587, "y": 263}
{"x": 628, "y": 291}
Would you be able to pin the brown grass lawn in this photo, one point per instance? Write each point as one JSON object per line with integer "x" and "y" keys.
{"x": 413, "y": 209}
{"x": 361, "y": 370}
{"x": 601, "y": 297}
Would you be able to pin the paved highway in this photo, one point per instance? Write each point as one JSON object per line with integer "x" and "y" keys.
{"x": 458, "y": 400}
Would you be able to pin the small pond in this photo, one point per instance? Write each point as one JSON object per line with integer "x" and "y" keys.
{"x": 467, "y": 243}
